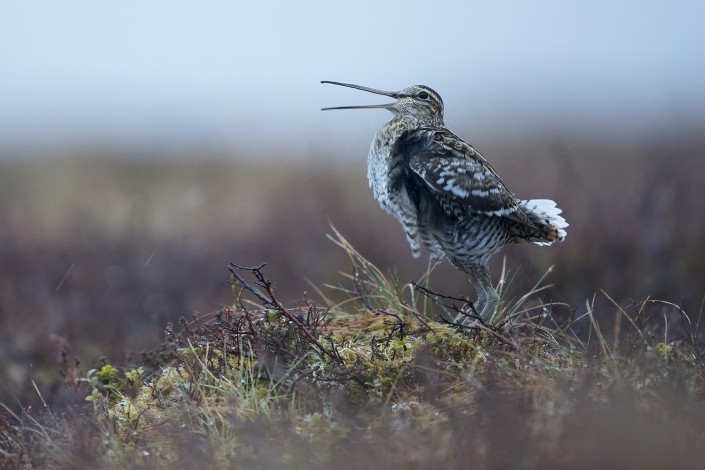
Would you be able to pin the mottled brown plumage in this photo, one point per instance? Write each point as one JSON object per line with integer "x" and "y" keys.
{"x": 445, "y": 194}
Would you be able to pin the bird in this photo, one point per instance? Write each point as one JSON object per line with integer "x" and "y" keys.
{"x": 445, "y": 194}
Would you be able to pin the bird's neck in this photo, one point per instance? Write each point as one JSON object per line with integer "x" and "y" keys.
{"x": 402, "y": 123}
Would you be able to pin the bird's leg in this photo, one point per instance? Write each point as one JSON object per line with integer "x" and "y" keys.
{"x": 487, "y": 297}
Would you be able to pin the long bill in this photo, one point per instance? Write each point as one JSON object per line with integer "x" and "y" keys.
{"x": 363, "y": 88}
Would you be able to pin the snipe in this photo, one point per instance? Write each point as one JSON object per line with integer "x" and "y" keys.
{"x": 445, "y": 194}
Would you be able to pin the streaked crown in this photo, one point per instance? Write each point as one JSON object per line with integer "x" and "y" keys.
{"x": 421, "y": 102}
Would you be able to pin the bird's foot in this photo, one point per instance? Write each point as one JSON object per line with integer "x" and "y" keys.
{"x": 469, "y": 316}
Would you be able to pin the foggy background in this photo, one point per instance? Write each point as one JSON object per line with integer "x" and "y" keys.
{"x": 144, "y": 145}
{"x": 230, "y": 75}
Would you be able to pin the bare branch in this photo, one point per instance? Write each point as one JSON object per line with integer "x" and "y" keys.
{"x": 271, "y": 301}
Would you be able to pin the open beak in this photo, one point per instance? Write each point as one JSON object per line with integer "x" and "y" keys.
{"x": 364, "y": 88}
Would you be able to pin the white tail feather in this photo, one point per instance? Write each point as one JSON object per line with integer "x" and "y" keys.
{"x": 544, "y": 212}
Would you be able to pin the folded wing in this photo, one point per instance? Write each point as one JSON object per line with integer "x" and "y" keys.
{"x": 458, "y": 176}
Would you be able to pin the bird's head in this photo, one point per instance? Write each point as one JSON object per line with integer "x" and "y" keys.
{"x": 417, "y": 101}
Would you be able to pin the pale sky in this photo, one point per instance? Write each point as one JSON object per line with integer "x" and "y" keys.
{"x": 246, "y": 75}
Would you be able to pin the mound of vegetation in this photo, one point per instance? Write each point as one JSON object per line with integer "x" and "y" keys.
{"x": 395, "y": 376}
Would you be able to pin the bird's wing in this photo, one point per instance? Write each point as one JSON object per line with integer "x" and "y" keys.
{"x": 462, "y": 180}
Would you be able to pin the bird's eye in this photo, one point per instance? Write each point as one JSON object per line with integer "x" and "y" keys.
{"x": 423, "y": 95}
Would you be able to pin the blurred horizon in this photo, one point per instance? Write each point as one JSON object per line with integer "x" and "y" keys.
{"x": 154, "y": 78}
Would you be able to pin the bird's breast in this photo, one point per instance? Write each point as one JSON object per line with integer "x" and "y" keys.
{"x": 380, "y": 161}
{"x": 378, "y": 167}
